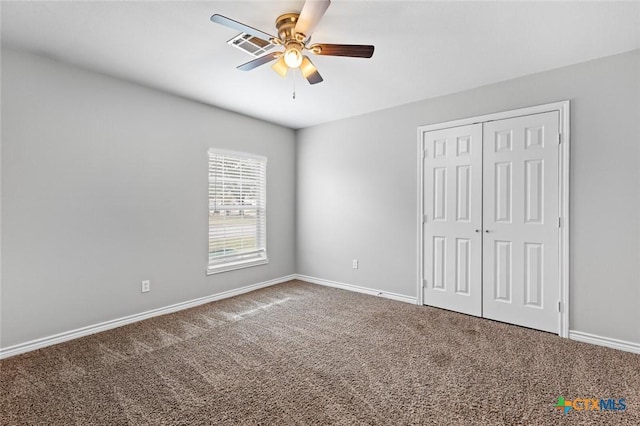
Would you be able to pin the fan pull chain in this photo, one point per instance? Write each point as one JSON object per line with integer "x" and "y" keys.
{"x": 294, "y": 83}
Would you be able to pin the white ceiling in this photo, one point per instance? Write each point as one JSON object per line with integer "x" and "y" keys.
{"x": 423, "y": 49}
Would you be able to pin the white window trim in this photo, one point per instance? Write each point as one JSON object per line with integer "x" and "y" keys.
{"x": 253, "y": 261}
{"x": 236, "y": 265}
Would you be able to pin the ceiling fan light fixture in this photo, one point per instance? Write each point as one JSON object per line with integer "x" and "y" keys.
{"x": 280, "y": 67}
{"x": 307, "y": 68}
{"x": 293, "y": 57}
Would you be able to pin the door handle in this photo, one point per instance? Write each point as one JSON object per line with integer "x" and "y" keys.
{"x": 486, "y": 231}
{"x": 477, "y": 230}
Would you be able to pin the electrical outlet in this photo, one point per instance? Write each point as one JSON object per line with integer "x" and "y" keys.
{"x": 355, "y": 264}
{"x": 145, "y": 286}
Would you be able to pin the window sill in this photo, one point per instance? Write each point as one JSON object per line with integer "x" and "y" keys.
{"x": 235, "y": 265}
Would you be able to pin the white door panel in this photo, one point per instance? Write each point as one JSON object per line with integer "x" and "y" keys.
{"x": 453, "y": 208}
{"x": 520, "y": 218}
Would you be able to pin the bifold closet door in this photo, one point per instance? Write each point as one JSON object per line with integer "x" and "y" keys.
{"x": 453, "y": 219}
{"x": 521, "y": 221}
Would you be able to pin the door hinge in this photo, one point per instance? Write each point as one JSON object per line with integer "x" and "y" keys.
{"x": 559, "y": 138}
{"x": 559, "y": 222}
{"x": 424, "y": 154}
{"x": 559, "y": 306}
{"x": 424, "y": 283}
{"x": 424, "y": 219}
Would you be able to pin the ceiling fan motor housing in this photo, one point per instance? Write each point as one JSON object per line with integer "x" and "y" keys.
{"x": 292, "y": 41}
{"x": 286, "y": 25}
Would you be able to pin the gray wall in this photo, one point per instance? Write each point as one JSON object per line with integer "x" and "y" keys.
{"x": 104, "y": 184}
{"x": 357, "y": 183}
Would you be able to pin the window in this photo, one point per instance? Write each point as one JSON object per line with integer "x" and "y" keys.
{"x": 237, "y": 210}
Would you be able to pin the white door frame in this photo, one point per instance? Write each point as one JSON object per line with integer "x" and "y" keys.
{"x": 563, "y": 109}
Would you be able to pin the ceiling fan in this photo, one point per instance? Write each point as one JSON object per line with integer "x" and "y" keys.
{"x": 294, "y": 34}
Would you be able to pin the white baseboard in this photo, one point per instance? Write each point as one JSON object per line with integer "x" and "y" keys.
{"x": 119, "y": 322}
{"x": 358, "y": 289}
{"x": 604, "y": 341}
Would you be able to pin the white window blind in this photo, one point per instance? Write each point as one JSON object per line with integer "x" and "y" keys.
{"x": 237, "y": 210}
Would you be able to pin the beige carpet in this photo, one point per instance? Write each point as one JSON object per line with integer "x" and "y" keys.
{"x": 298, "y": 353}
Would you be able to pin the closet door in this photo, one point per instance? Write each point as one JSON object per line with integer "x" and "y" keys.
{"x": 521, "y": 225}
{"x": 452, "y": 262}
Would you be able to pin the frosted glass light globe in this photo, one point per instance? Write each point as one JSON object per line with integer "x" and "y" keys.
{"x": 292, "y": 57}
